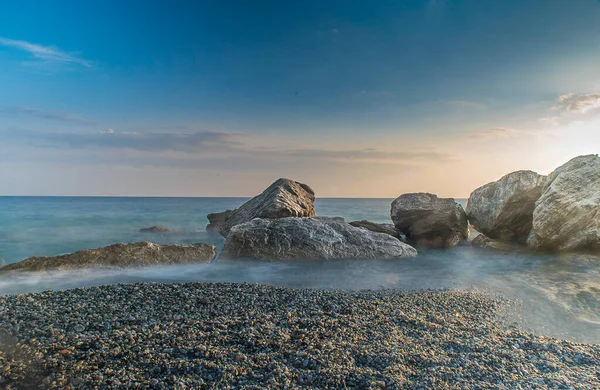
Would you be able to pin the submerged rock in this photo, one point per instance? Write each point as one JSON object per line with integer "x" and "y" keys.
{"x": 567, "y": 215}
{"x": 387, "y": 228}
{"x": 284, "y": 198}
{"x": 503, "y": 209}
{"x": 120, "y": 255}
{"x": 310, "y": 238}
{"x": 216, "y": 220}
{"x": 429, "y": 221}
{"x": 156, "y": 229}
{"x": 482, "y": 241}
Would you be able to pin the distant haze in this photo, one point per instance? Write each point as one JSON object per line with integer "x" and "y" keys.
{"x": 360, "y": 99}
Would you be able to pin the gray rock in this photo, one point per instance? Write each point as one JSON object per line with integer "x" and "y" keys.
{"x": 310, "y": 238}
{"x": 284, "y": 198}
{"x": 429, "y": 221}
{"x": 387, "y": 228}
{"x": 2, "y": 262}
{"x": 503, "y": 210}
{"x": 121, "y": 255}
{"x": 567, "y": 215}
{"x": 216, "y": 220}
{"x": 155, "y": 229}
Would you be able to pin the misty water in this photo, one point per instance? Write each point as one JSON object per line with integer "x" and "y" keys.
{"x": 560, "y": 294}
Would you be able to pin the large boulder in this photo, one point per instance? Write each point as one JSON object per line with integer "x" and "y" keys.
{"x": 567, "y": 215}
{"x": 120, "y": 255}
{"x": 429, "y": 221}
{"x": 387, "y": 228}
{"x": 310, "y": 238}
{"x": 503, "y": 210}
{"x": 284, "y": 198}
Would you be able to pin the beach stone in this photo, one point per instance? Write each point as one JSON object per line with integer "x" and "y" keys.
{"x": 284, "y": 198}
{"x": 387, "y": 228}
{"x": 155, "y": 229}
{"x": 310, "y": 238}
{"x": 216, "y": 220}
{"x": 503, "y": 210}
{"x": 429, "y": 221}
{"x": 567, "y": 215}
{"x": 121, "y": 255}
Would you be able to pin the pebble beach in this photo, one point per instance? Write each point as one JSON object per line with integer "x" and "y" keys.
{"x": 219, "y": 335}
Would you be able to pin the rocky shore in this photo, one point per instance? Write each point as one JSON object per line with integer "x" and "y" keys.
{"x": 195, "y": 335}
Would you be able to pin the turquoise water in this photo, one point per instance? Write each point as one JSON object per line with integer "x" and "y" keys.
{"x": 560, "y": 294}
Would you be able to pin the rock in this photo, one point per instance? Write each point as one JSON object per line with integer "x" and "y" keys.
{"x": 429, "y": 221}
{"x": 156, "y": 229}
{"x": 387, "y": 228}
{"x": 216, "y": 220}
{"x": 310, "y": 238}
{"x": 121, "y": 255}
{"x": 503, "y": 209}
{"x": 284, "y": 198}
{"x": 482, "y": 241}
{"x": 2, "y": 262}
{"x": 567, "y": 215}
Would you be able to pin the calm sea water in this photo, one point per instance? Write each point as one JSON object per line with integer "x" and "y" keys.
{"x": 560, "y": 293}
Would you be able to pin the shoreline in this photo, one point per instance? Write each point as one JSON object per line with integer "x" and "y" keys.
{"x": 219, "y": 335}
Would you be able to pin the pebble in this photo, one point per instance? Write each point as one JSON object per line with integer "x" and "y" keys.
{"x": 221, "y": 335}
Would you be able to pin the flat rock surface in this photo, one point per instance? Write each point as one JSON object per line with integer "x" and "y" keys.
{"x": 219, "y": 336}
{"x": 567, "y": 215}
{"x": 310, "y": 238}
{"x": 120, "y": 255}
{"x": 429, "y": 221}
{"x": 503, "y": 209}
{"x": 284, "y": 198}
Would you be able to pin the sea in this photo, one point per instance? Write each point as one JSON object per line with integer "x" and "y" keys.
{"x": 556, "y": 295}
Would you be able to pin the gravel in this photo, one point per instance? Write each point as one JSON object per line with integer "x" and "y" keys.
{"x": 218, "y": 335}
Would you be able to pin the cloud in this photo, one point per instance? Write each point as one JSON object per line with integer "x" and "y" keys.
{"x": 370, "y": 154}
{"x": 44, "y": 114}
{"x": 45, "y": 53}
{"x": 207, "y": 147}
{"x": 496, "y": 133}
{"x": 578, "y": 103}
{"x": 145, "y": 142}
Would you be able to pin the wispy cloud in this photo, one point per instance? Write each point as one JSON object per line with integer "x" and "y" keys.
{"x": 145, "y": 142}
{"x": 578, "y": 103}
{"x": 45, "y": 53}
{"x": 496, "y": 133}
{"x": 370, "y": 154}
{"x": 208, "y": 145}
{"x": 44, "y": 114}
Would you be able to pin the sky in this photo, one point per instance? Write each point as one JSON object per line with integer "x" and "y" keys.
{"x": 354, "y": 98}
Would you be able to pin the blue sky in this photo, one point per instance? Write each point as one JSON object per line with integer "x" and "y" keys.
{"x": 360, "y": 98}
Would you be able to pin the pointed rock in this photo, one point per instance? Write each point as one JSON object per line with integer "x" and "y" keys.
{"x": 284, "y": 198}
